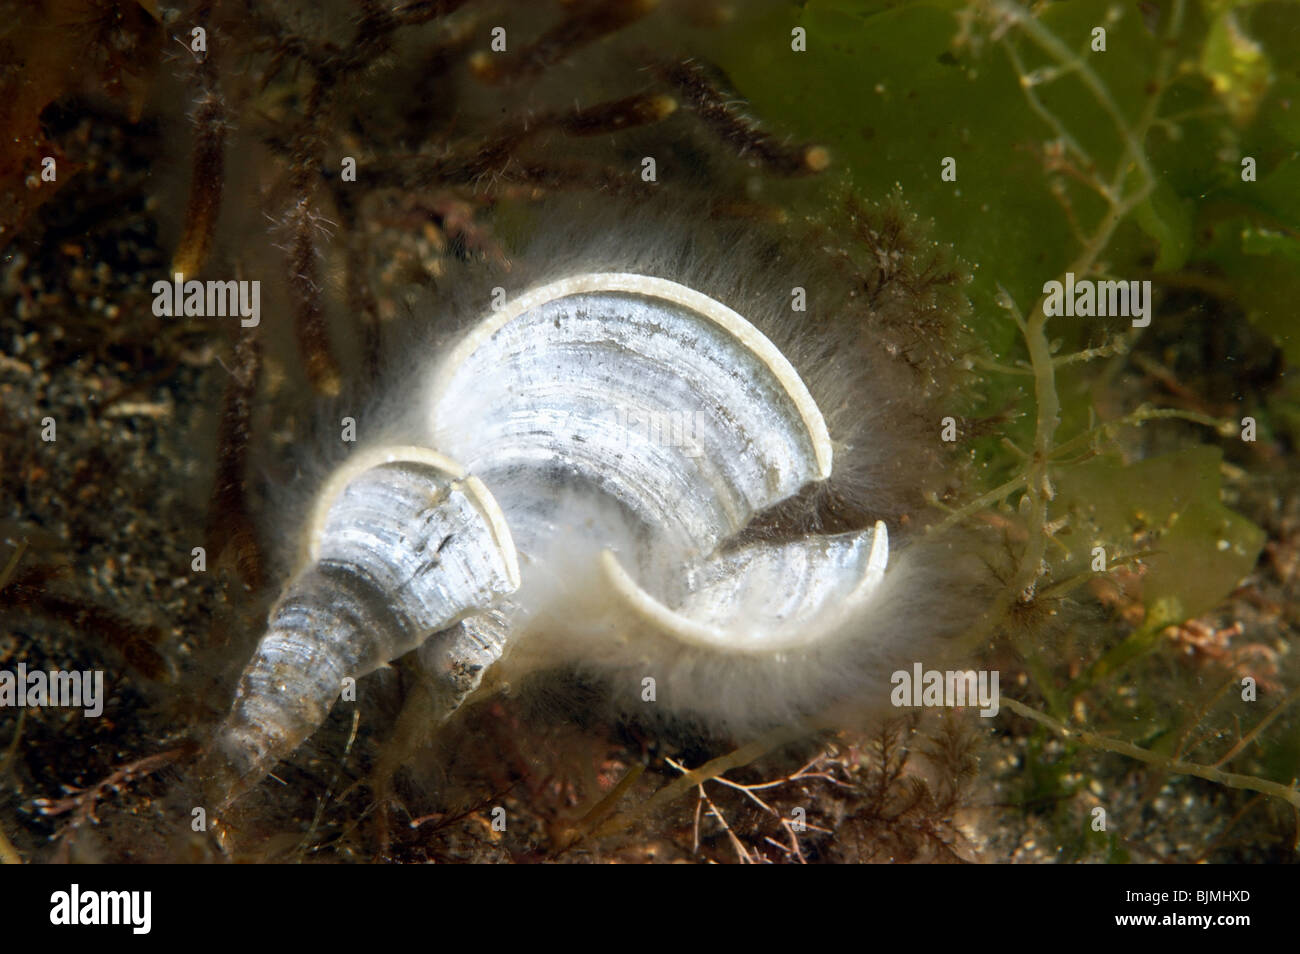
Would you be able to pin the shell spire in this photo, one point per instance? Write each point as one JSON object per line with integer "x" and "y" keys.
{"x": 403, "y": 544}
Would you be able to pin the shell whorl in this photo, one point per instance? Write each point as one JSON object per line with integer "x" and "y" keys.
{"x": 402, "y": 544}
{"x": 655, "y": 395}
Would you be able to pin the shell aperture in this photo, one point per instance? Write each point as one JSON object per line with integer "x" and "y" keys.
{"x": 767, "y": 598}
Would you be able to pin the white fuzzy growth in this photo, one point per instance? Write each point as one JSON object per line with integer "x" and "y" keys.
{"x": 526, "y": 400}
{"x": 780, "y": 407}
{"x": 910, "y": 617}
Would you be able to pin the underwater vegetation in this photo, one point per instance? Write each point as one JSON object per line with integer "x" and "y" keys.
{"x": 1050, "y": 258}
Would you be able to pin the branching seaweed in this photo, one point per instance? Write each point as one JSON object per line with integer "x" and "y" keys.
{"x": 1123, "y": 189}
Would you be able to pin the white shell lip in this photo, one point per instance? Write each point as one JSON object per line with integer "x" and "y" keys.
{"x": 650, "y": 287}
{"x": 807, "y": 628}
{"x": 368, "y": 458}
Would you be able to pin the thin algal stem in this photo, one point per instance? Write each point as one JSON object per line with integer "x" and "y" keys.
{"x": 1141, "y": 415}
{"x": 1038, "y": 478}
{"x": 603, "y": 807}
{"x": 1107, "y": 350}
{"x": 1050, "y": 43}
{"x": 8, "y": 853}
{"x": 709, "y": 770}
{"x": 1046, "y": 115}
{"x": 990, "y": 365}
{"x": 1183, "y": 748}
{"x": 979, "y": 503}
{"x": 1041, "y": 359}
{"x": 11, "y": 566}
{"x": 1070, "y": 583}
{"x": 1253, "y": 734}
{"x": 1288, "y": 793}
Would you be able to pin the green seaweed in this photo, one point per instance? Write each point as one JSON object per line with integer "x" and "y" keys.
{"x": 1129, "y": 162}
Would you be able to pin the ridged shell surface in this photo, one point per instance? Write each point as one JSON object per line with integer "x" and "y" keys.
{"x": 626, "y": 412}
{"x": 403, "y": 544}
{"x": 653, "y": 394}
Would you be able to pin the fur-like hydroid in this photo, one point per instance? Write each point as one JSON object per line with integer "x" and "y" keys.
{"x": 714, "y": 492}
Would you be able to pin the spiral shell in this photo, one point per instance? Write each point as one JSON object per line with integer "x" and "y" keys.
{"x": 630, "y": 427}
